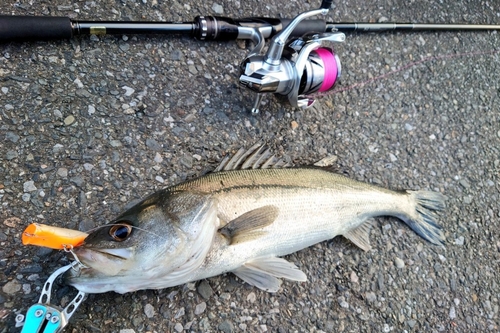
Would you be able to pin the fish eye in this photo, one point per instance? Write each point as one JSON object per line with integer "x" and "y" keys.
{"x": 120, "y": 232}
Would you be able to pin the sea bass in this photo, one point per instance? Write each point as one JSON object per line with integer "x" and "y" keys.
{"x": 241, "y": 218}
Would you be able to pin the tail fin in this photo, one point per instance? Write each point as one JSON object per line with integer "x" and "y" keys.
{"x": 423, "y": 221}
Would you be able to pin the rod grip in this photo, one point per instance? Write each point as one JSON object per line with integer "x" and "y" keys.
{"x": 23, "y": 28}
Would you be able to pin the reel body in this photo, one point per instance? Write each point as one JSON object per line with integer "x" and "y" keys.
{"x": 293, "y": 68}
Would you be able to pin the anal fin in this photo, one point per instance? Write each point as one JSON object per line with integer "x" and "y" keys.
{"x": 360, "y": 236}
{"x": 264, "y": 273}
{"x": 247, "y": 225}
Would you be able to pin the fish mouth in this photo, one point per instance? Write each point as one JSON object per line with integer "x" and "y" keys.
{"x": 99, "y": 269}
{"x": 123, "y": 254}
{"x": 99, "y": 262}
{"x": 91, "y": 257}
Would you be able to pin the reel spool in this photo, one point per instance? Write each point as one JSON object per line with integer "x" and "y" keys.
{"x": 293, "y": 68}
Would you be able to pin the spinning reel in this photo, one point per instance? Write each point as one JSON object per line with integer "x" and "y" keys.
{"x": 293, "y": 68}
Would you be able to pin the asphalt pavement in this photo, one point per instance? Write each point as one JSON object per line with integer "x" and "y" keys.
{"x": 91, "y": 124}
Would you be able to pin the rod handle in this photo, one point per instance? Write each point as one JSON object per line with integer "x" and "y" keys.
{"x": 24, "y": 28}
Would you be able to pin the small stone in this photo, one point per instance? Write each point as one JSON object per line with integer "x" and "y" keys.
{"x": 149, "y": 310}
{"x": 251, "y": 297}
{"x": 78, "y": 83}
{"x": 180, "y": 313}
{"x": 11, "y": 136}
{"x": 91, "y": 110}
{"x": 29, "y": 186}
{"x": 218, "y": 9}
{"x": 460, "y": 240}
{"x": 33, "y": 277}
{"x": 26, "y": 197}
{"x": 226, "y": 326}
{"x": 57, "y": 148}
{"x": 5, "y": 90}
{"x": 176, "y": 55}
{"x": 12, "y": 222}
{"x": 158, "y": 158}
{"x": 26, "y": 288}
{"x": 187, "y": 161}
{"x": 453, "y": 313}
{"x": 11, "y": 287}
{"x": 127, "y": 330}
{"x": 370, "y": 296}
{"x": 88, "y": 166}
{"x": 124, "y": 47}
{"x": 115, "y": 143}
{"x": 354, "y": 277}
{"x": 468, "y": 199}
{"x": 192, "y": 69}
{"x": 11, "y": 154}
{"x": 69, "y": 120}
{"x": 200, "y": 308}
{"x": 62, "y": 172}
{"x": 160, "y": 179}
{"x": 342, "y": 302}
{"x": 178, "y": 327}
{"x": 153, "y": 144}
{"x": 408, "y": 127}
{"x": 294, "y": 124}
{"x": 77, "y": 180}
{"x": 128, "y": 91}
{"x": 464, "y": 183}
{"x": 393, "y": 158}
{"x": 205, "y": 290}
{"x": 399, "y": 262}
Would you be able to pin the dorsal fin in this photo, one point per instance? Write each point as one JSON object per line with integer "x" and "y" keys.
{"x": 258, "y": 156}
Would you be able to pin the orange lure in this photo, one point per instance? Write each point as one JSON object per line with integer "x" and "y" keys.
{"x": 52, "y": 237}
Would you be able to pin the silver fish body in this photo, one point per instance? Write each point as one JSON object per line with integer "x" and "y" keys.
{"x": 241, "y": 221}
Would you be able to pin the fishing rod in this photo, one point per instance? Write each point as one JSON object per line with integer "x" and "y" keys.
{"x": 296, "y": 64}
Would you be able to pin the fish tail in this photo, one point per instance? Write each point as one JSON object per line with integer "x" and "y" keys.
{"x": 423, "y": 220}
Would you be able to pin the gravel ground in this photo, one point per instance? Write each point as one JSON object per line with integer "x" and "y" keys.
{"x": 92, "y": 124}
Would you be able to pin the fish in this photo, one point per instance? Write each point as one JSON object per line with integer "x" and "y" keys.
{"x": 242, "y": 218}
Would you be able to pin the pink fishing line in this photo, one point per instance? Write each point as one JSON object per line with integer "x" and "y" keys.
{"x": 331, "y": 70}
{"x": 411, "y": 64}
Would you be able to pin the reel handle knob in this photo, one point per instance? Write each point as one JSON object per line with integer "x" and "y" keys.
{"x": 326, "y": 4}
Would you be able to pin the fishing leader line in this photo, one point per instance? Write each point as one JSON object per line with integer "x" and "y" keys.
{"x": 401, "y": 69}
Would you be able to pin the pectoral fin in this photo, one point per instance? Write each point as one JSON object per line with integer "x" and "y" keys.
{"x": 248, "y": 225}
{"x": 264, "y": 273}
{"x": 361, "y": 235}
